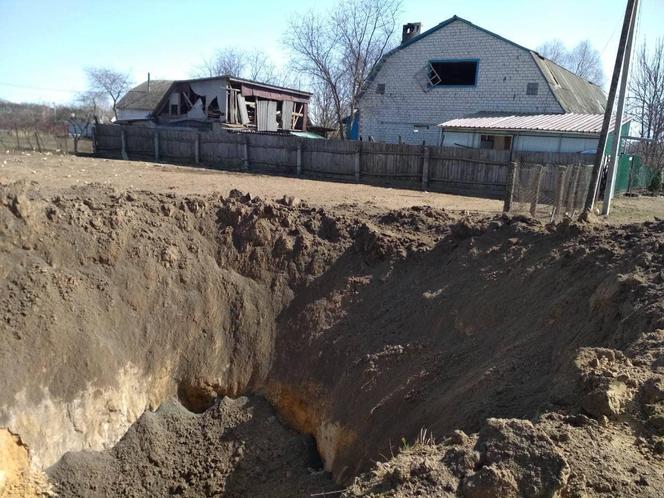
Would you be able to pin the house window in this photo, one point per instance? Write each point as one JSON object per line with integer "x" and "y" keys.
{"x": 174, "y": 110}
{"x": 380, "y": 88}
{"x": 495, "y": 142}
{"x": 453, "y": 73}
{"x": 532, "y": 88}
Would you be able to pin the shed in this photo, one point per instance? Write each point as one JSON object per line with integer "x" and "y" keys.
{"x": 571, "y": 132}
{"x": 228, "y": 101}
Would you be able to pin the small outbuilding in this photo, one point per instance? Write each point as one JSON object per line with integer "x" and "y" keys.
{"x": 570, "y": 132}
{"x": 223, "y": 101}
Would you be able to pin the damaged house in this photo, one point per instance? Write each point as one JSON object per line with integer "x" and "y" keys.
{"x": 459, "y": 70}
{"x": 216, "y": 102}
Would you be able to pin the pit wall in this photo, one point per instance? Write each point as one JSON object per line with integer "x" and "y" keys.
{"x": 358, "y": 332}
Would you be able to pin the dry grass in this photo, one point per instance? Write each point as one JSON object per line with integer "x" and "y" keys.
{"x": 32, "y": 140}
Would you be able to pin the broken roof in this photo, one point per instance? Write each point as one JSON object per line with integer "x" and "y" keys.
{"x": 139, "y": 98}
{"x": 585, "y": 124}
{"x": 573, "y": 93}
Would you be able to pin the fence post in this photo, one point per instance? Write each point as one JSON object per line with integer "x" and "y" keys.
{"x": 94, "y": 140}
{"x": 156, "y": 144}
{"x": 38, "y": 144}
{"x": 573, "y": 184}
{"x": 425, "y": 168}
{"x": 560, "y": 187}
{"x": 358, "y": 153}
{"x": 299, "y": 158}
{"x": 123, "y": 141}
{"x": 197, "y": 148}
{"x": 511, "y": 183}
{"x": 245, "y": 158}
{"x": 536, "y": 188}
{"x": 18, "y": 142}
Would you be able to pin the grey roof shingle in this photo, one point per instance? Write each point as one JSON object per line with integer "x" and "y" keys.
{"x": 140, "y": 99}
{"x": 572, "y": 92}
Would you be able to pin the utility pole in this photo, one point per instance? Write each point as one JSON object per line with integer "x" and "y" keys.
{"x": 620, "y": 56}
{"x": 610, "y": 187}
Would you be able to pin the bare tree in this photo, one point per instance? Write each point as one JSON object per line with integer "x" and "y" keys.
{"x": 322, "y": 107}
{"x": 92, "y": 103}
{"x": 583, "y": 60}
{"x": 338, "y": 49}
{"x": 231, "y": 61}
{"x": 110, "y": 82}
{"x": 586, "y": 62}
{"x": 227, "y": 61}
{"x": 554, "y": 50}
{"x": 646, "y": 103}
{"x": 260, "y": 68}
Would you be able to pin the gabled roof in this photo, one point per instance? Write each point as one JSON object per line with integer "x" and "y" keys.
{"x": 587, "y": 124}
{"x": 139, "y": 98}
{"x": 574, "y": 94}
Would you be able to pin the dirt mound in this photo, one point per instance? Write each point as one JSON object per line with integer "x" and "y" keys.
{"x": 543, "y": 343}
{"x": 235, "y": 448}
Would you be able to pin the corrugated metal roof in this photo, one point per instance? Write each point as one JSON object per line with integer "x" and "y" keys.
{"x": 590, "y": 124}
{"x": 306, "y": 134}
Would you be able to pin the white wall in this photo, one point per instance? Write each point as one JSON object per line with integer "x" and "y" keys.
{"x": 211, "y": 89}
{"x": 503, "y": 73}
{"x": 133, "y": 113}
{"x": 539, "y": 143}
{"x": 530, "y": 143}
{"x": 458, "y": 139}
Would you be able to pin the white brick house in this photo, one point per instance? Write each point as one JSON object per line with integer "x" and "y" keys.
{"x": 405, "y": 97}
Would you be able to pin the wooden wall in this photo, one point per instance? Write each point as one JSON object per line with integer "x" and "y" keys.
{"x": 480, "y": 173}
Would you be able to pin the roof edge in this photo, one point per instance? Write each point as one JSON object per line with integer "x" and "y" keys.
{"x": 428, "y": 32}
{"x": 535, "y": 55}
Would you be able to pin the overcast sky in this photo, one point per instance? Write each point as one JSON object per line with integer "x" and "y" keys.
{"x": 45, "y": 44}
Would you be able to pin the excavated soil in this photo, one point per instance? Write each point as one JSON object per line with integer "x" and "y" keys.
{"x": 471, "y": 356}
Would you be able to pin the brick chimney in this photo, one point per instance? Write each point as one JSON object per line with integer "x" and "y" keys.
{"x": 410, "y": 30}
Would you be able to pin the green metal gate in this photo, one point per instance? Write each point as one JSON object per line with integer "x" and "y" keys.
{"x": 632, "y": 174}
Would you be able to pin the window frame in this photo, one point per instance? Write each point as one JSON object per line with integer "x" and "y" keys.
{"x": 493, "y": 140}
{"x": 532, "y": 84}
{"x": 438, "y": 61}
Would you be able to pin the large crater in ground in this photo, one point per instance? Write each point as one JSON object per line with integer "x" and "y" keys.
{"x": 359, "y": 330}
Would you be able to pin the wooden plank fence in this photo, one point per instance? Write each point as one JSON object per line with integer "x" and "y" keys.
{"x": 480, "y": 173}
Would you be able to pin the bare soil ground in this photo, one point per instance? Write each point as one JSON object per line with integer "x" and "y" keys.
{"x": 532, "y": 354}
{"x": 54, "y": 171}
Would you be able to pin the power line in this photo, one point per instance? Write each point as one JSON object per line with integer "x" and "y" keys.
{"x": 610, "y": 39}
{"x": 28, "y": 87}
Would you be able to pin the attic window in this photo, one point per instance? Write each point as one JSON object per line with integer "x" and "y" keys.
{"x": 380, "y": 88}
{"x": 532, "y": 88}
{"x": 453, "y": 73}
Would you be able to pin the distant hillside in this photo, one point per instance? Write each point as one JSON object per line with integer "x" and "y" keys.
{"x": 33, "y": 116}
